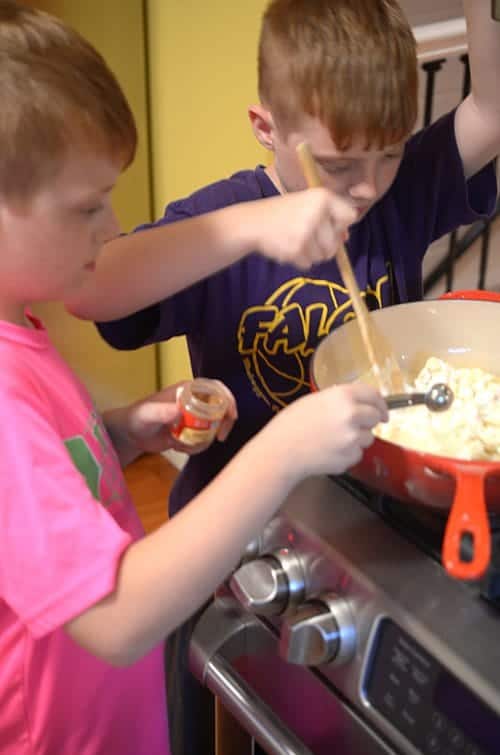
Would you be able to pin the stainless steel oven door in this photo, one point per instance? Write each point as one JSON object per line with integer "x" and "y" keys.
{"x": 287, "y": 709}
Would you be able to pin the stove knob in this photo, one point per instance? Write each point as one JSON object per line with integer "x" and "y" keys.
{"x": 270, "y": 585}
{"x": 322, "y": 631}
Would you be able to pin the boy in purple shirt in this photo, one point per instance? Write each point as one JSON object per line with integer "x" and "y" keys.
{"x": 341, "y": 74}
{"x": 256, "y": 323}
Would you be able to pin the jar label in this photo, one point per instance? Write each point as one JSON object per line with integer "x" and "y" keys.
{"x": 192, "y": 430}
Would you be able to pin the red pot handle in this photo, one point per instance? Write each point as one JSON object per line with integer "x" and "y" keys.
{"x": 474, "y": 294}
{"x": 468, "y": 517}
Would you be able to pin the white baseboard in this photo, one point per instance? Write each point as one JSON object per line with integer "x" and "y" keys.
{"x": 175, "y": 457}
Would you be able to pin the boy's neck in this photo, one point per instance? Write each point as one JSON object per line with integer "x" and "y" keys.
{"x": 274, "y": 177}
{"x": 15, "y": 316}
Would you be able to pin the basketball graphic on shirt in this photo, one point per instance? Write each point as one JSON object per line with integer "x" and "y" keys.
{"x": 277, "y": 339}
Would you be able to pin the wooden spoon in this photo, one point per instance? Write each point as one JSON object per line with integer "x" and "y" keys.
{"x": 383, "y": 362}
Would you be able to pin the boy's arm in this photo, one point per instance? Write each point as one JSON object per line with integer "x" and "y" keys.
{"x": 143, "y": 268}
{"x": 477, "y": 122}
{"x": 164, "y": 577}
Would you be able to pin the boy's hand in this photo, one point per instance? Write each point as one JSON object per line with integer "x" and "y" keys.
{"x": 303, "y": 228}
{"x": 146, "y": 425}
{"x": 336, "y": 427}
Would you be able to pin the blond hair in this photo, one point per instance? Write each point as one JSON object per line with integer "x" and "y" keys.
{"x": 351, "y": 63}
{"x": 55, "y": 90}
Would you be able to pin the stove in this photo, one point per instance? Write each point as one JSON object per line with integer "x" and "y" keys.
{"x": 425, "y": 527}
{"x": 341, "y": 634}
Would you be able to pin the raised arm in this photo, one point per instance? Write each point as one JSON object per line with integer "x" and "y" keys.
{"x": 477, "y": 121}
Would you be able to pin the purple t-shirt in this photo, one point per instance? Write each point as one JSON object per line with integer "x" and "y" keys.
{"x": 256, "y": 324}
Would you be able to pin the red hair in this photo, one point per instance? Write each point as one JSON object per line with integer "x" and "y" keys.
{"x": 351, "y": 63}
{"x": 55, "y": 90}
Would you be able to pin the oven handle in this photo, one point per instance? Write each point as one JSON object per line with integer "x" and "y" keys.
{"x": 253, "y": 714}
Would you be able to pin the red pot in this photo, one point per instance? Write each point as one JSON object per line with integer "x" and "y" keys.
{"x": 462, "y": 328}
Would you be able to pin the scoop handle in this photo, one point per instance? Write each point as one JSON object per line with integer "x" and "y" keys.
{"x": 403, "y": 400}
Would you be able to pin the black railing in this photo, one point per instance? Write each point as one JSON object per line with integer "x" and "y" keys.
{"x": 457, "y": 246}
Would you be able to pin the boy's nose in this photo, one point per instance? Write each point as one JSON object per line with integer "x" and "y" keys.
{"x": 365, "y": 188}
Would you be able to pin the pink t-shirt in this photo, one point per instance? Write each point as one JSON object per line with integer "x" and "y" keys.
{"x": 65, "y": 520}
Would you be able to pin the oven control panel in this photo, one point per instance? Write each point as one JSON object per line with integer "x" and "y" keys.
{"x": 424, "y": 701}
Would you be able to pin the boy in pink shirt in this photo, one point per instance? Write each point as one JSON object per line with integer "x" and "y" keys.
{"x": 85, "y": 600}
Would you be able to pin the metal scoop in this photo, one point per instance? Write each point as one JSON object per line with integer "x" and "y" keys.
{"x": 437, "y": 399}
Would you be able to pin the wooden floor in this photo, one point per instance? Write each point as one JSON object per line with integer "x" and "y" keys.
{"x": 149, "y": 480}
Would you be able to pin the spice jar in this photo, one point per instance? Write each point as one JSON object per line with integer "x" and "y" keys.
{"x": 203, "y": 404}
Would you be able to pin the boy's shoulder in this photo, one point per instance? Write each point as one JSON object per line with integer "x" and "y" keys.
{"x": 243, "y": 186}
{"x": 440, "y": 134}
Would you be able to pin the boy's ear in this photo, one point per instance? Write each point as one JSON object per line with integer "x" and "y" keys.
{"x": 262, "y": 123}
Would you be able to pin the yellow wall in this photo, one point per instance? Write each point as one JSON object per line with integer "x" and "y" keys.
{"x": 116, "y": 28}
{"x": 201, "y": 61}
{"x": 202, "y": 77}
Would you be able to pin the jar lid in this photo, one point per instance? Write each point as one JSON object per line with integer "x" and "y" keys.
{"x": 206, "y": 397}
